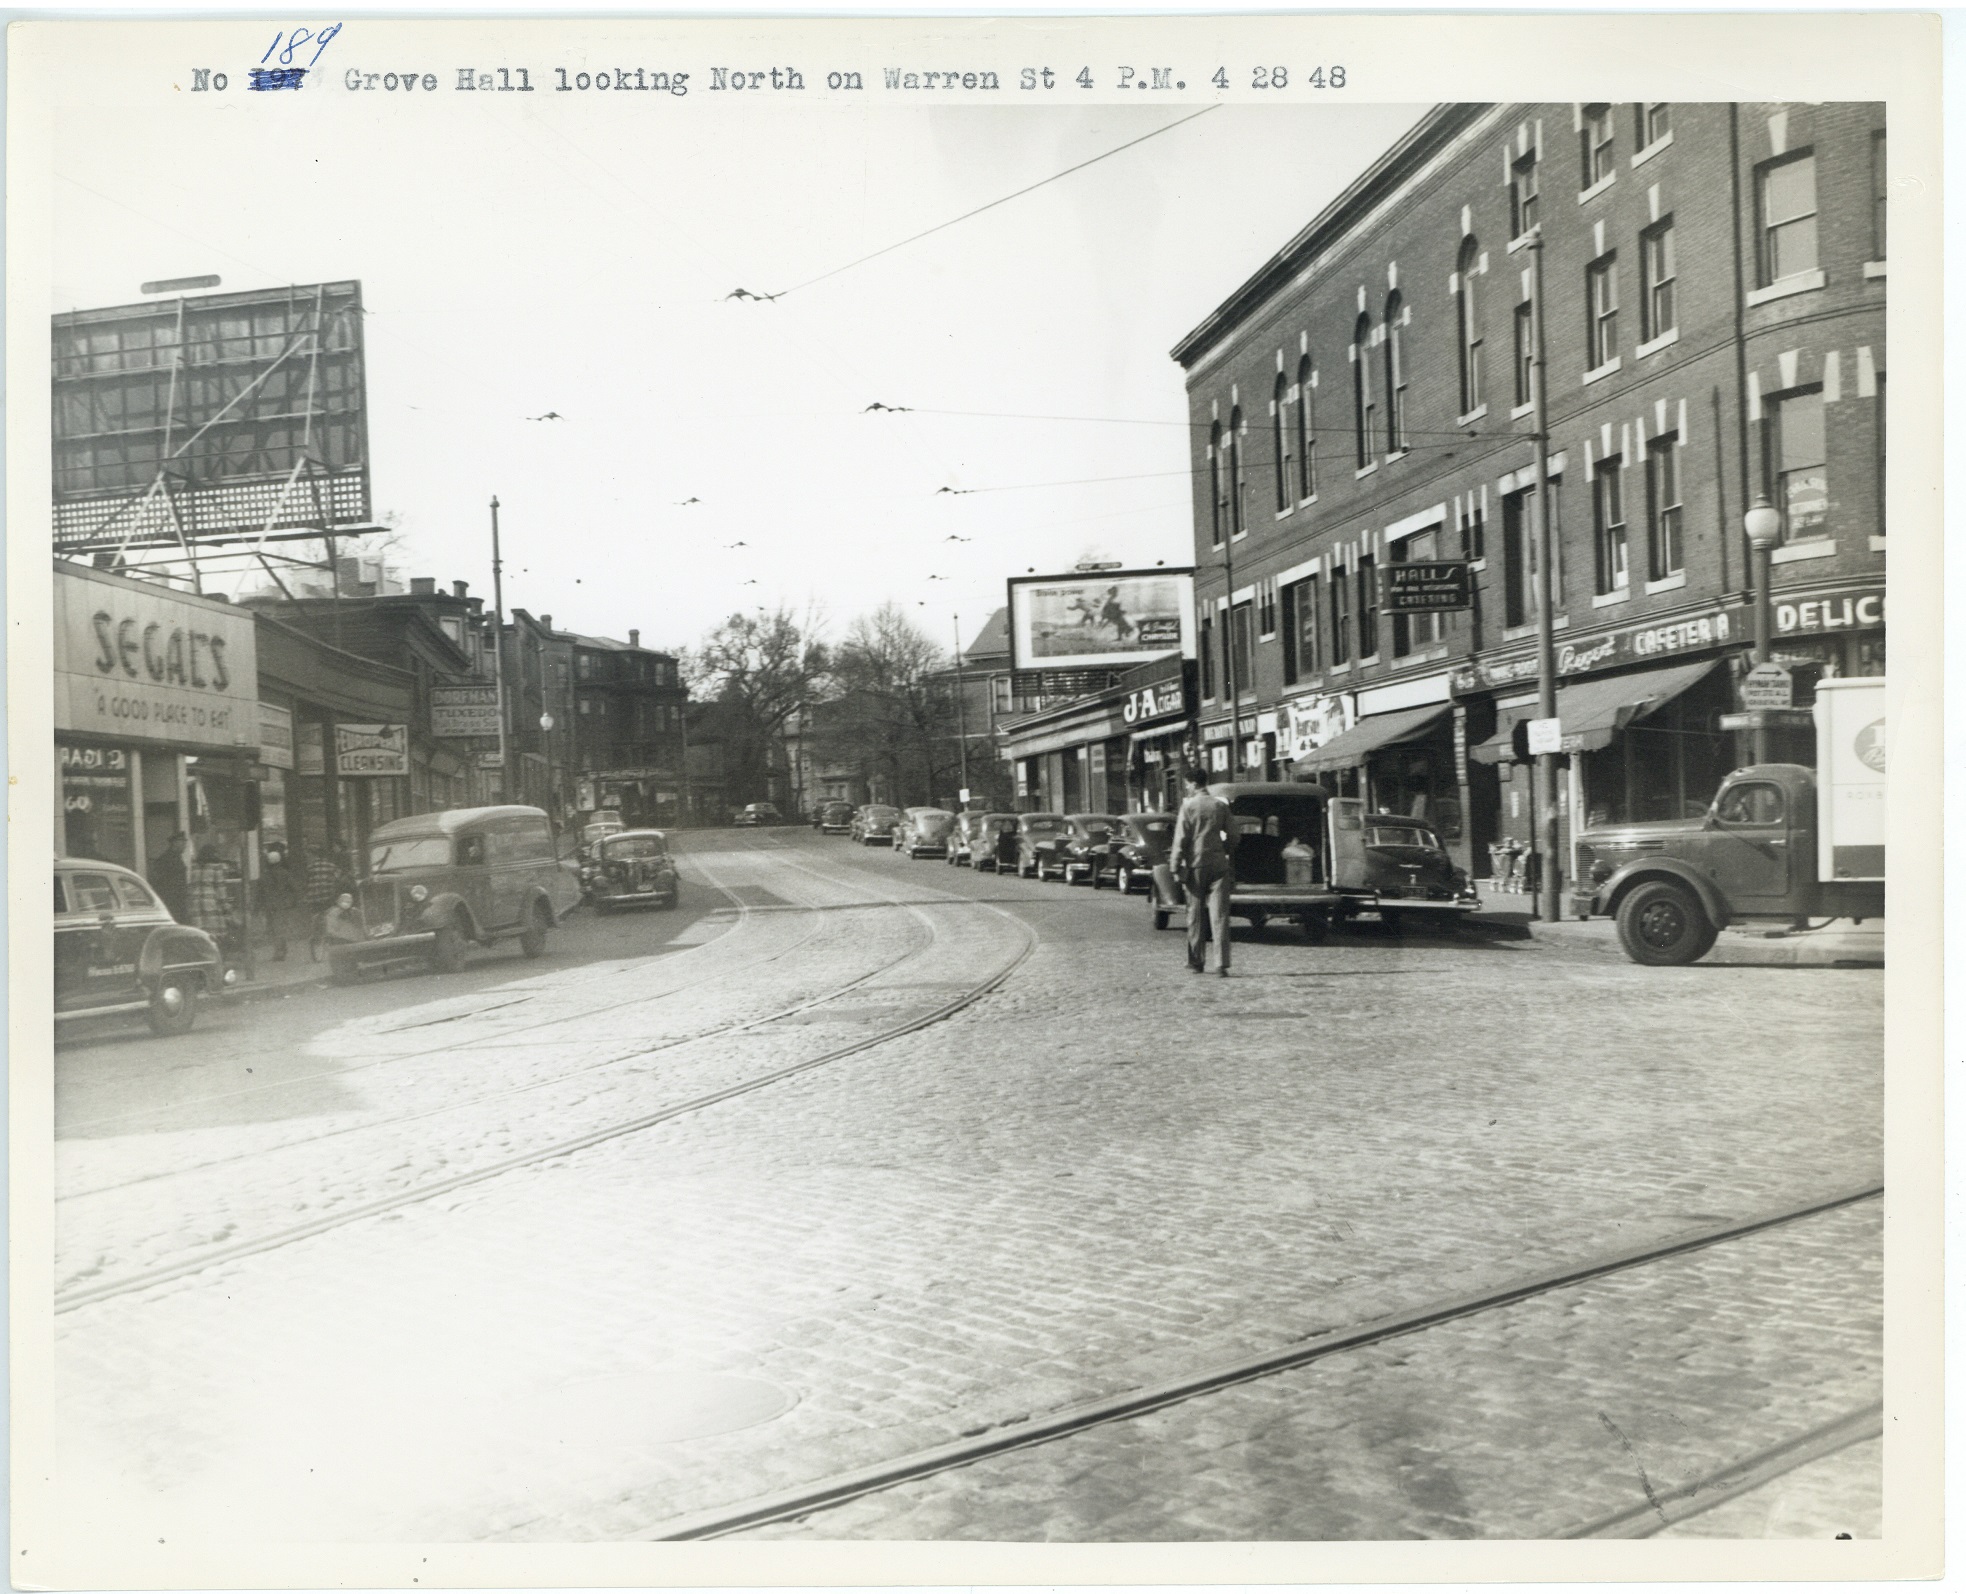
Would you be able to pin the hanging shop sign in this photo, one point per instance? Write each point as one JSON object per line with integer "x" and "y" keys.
{"x": 1809, "y": 612}
{"x": 1162, "y": 700}
{"x": 460, "y": 711}
{"x": 137, "y": 663}
{"x": 276, "y": 736}
{"x": 372, "y": 750}
{"x": 1611, "y": 650}
{"x": 1431, "y": 586}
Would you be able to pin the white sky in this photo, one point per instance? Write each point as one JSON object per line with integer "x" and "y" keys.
{"x": 519, "y": 261}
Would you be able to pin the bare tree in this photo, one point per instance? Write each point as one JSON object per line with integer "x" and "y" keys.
{"x": 893, "y": 719}
{"x": 763, "y": 668}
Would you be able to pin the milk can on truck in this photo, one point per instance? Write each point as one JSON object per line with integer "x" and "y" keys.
{"x": 1781, "y": 845}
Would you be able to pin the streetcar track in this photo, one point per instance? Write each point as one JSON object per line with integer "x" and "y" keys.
{"x": 823, "y": 1494}
{"x": 459, "y": 1105}
{"x": 76, "y": 1299}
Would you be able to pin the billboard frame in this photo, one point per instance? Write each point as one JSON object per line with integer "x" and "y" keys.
{"x": 1017, "y": 621}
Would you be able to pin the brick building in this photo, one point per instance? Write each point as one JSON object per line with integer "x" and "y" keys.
{"x": 1714, "y": 281}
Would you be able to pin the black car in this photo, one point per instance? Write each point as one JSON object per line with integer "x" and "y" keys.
{"x": 989, "y": 841}
{"x": 1410, "y": 876}
{"x": 118, "y": 950}
{"x": 1138, "y": 848}
{"x": 834, "y": 819}
{"x": 1085, "y": 852}
{"x": 1039, "y": 838}
{"x": 630, "y": 869}
{"x": 874, "y": 822}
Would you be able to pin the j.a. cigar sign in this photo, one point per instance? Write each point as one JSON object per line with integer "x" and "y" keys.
{"x": 1431, "y": 586}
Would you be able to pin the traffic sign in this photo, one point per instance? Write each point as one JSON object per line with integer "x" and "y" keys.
{"x": 1768, "y": 685}
{"x": 1545, "y": 736}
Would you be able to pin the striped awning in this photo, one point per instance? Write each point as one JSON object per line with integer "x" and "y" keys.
{"x": 1592, "y": 712}
{"x": 1375, "y": 731}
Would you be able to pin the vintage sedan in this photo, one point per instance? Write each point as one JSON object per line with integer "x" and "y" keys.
{"x": 1086, "y": 852}
{"x": 1138, "y": 848}
{"x": 989, "y": 841}
{"x": 924, "y": 832}
{"x": 834, "y": 819}
{"x": 1039, "y": 838}
{"x": 632, "y": 869}
{"x": 758, "y": 814}
{"x": 438, "y": 884}
{"x": 118, "y": 950}
{"x": 1409, "y": 877}
{"x": 874, "y": 823}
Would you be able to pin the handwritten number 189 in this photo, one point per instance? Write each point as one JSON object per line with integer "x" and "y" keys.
{"x": 295, "y": 40}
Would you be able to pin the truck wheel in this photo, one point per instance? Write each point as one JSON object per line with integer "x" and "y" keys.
{"x": 447, "y": 950}
{"x": 532, "y": 939}
{"x": 1661, "y": 924}
{"x": 173, "y": 1005}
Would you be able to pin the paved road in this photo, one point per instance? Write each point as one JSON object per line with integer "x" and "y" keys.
{"x": 1098, "y": 1174}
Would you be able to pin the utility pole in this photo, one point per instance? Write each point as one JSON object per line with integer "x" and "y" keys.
{"x": 1550, "y": 885}
{"x": 498, "y": 661}
{"x": 962, "y": 723}
{"x": 1229, "y": 614}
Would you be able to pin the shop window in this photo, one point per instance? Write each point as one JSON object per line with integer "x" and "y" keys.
{"x": 1306, "y": 432}
{"x": 1658, "y": 280}
{"x": 1796, "y": 452}
{"x": 1365, "y": 413}
{"x": 1281, "y": 437}
{"x": 1601, "y": 295}
{"x": 1599, "y": 149}
{"x": 1415, "y": 632}
{"x": 1785, "y": 206}
{"x": 1665, "y": 535}
{"x": 1300, "y": 630}
{"x": 1368, "y": 606}
{"x": 1341, "y": 617}
{"x": 1525, "y": 354}
{"x": 1395, "y": 357}
{"x": 1468, "y": 316}
{"x": 1613, "y": 545}
{"x": 1523, "y": 196}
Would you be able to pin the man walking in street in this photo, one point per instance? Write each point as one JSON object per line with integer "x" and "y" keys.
{"x": 1200, "y": 853}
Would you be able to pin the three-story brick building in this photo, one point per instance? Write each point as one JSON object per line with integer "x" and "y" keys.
{"x": 1713, "y": 282}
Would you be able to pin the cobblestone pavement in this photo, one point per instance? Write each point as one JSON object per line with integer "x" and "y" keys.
{"x": 1104, "y": 1173}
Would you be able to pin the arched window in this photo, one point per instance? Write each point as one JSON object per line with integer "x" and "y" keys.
{"x": 1365, "y": 414}
{"x": 1215, "y": 516}
{"x": 1469, "y": 312}
{"x": 1306, "y": 432}
{"x": 1237, "y": 428}
{"x": 1395, "y": 375}
{"x": 1281, "y": 439}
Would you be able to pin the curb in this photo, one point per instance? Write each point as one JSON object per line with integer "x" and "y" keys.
{"x": 1817, "y": 949}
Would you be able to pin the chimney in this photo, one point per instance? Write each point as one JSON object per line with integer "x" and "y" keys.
{"x": 461, "y": 588}
{"x": 546, "y": 622}
{"x": 423, "y": 586}
{"x": 634, "y": 639}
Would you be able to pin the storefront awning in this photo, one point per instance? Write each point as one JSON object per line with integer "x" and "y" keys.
{"x": 1593, "y": 712}
{"x": 1370, "y": 734}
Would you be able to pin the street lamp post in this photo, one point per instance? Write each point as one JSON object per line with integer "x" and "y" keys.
{"x": 1763, "y": 524}
{"x": 1550, "y": 884}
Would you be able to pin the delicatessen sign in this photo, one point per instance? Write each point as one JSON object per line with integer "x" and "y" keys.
{"x": 138, "y": 663}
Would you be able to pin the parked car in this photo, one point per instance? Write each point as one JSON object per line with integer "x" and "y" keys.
{"x": 630, "y": 869}
{"x": 118, "y": 950}
{"x": 834, "y": 819}
{"x": 1298, "y": 853}
{"x": 1085, "y": 852}
{"x": 924, "y": 832}
{"x": 1139, "y": 847}
{"x": 1039, "y": 837}
{"x": 759, "y": 814}
{"x": 874, "y": 822}
{"x": 990, "y": 842}
{"x": 1409, "y": 877}
{"x": 438, "y": 884}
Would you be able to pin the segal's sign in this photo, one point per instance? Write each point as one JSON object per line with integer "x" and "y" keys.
{"x": 138, "y": 663}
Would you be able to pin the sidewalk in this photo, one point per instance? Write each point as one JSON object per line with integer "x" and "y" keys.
{"x": 276, "y": 979}
{"x": 1841, "y": 944}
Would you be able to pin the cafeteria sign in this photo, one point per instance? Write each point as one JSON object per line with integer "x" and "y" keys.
{"x": 374, "y": 750}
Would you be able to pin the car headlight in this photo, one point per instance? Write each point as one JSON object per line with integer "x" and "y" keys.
{"x": 1600, "y": 872}
{"x": 230, "y": 976}
{"x": 418, "y": 893}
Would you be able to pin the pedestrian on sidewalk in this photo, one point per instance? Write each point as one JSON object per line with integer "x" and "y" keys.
{"x": 279, "y": 895}
{"x": 167, "y": 874}
{"x": 211, "y": 900}
{"x": 1203, "y": 864}
{"x": 323, "y": 884}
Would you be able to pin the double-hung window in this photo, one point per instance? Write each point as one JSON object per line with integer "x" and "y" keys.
{"x": 1281, "y": 437}
{"x": 1601, "y": 292}
{"x": 1613, "y": 542}
{"x": 1599, "y": 151}
{"x": 1525, "y": 353}
{"x": 1523, "y": 196}
{"x": 1467, "y": 312}
{"x": 1797, "y": 453}
{"x": 1665, "y": 535}
{"x": 1877, "y": 195}
{"x": 1395, "y": 374}
{"x": 1654, "y": 122}
{"x": 1306, "y": 432}
{"x": 1368, "y": 606}
{"x": 1413, "y": 632}
{"x": 1341, "y": 616}
{"x": 1785, "y": 203}
{"x": 1216, "y": 507}
{"x": 1365, "y": 413}
{"x": 1658, "y": 310}
{"x": 1238, "y": 502}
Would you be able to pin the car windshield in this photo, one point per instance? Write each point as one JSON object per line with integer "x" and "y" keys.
{"x": 411, "y": 852}
{"x": 637, "y": 847}
{"x": 1381, "y": 834}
